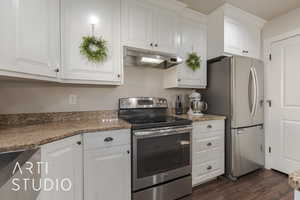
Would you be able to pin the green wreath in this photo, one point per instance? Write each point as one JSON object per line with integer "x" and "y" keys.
{"x": 95, "y": 49}
{"x": 193, "y": 61}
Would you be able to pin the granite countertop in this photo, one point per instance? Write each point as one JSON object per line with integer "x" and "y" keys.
{"x": 294, "y": 180}
{"x": 205, "y": 117}
{"x": 32, "y": 136}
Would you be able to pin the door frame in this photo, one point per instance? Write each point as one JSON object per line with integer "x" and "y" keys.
{"x": 267, "y": 44}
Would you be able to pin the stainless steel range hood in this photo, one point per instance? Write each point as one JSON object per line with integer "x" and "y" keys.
{"x": 144, "y": 58}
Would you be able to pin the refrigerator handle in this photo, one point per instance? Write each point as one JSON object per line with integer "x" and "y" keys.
{"x": 252, "y": 94}
{"x": 256, "y": 91}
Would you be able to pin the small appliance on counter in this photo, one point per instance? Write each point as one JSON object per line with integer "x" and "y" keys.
{"x": 197, "y": 106}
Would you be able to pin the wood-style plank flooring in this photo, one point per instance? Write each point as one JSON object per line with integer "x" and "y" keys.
{"x": 260, "y": 185}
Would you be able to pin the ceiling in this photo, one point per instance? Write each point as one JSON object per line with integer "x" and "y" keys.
{"x": 266, "y": 9}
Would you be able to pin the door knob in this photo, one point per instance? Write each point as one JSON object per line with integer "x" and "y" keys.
{"x": 269, "y": 102}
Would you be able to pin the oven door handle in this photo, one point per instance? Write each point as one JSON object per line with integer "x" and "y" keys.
{"x": 162, "y": 132}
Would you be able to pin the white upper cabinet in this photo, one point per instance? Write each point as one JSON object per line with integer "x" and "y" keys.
{"x": 149, "y": 27}
{"x": 76, "y": 23}
{"x": 192, "y": 32}
{"x": 165, "y": 31}
{"x": 232, "y": 31}
{"x": 29, "y": 38}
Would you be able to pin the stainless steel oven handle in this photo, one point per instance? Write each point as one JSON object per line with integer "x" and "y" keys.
{"x": 163, "y": 132}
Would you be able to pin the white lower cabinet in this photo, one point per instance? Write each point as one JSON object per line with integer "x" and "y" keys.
{"x": 107, "y": 165}
{"x": 64, "y": 162}
{"x": 208, "y": 150}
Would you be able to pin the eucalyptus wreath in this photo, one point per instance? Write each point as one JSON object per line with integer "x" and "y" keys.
{"x": 193, "y": 61}
{"x": 95, "y": 49}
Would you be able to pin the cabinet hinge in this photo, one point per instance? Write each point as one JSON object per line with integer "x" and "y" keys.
{"x": 270, "y": 57}
{"x": 270, "y": 149}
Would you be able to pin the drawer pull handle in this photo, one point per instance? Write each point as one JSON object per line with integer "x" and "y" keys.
{"x": 209, "y": 144}
{"x": 209, "y": 126}
{"x": 209, "y": 168}
{"x": 108, "y": 139}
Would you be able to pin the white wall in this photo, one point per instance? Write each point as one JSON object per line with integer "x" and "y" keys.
{"x": 35, "y": 97}
{"x": 282, "y": 24}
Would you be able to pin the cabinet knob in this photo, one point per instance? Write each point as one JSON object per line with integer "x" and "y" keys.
{"x": 179, "y": 79}
{"x": 209, "y": 167}
{"x": 209, "y": 144}
{"x": 209, "y": 126}
{"x": 128, "y": 152}
{"x": 119, "y": 75}
{"x": 108, "y": 139}
{"x": 156, "y": 45}
{"x": 79, "y": 142}
{"x": 151, "y": 44}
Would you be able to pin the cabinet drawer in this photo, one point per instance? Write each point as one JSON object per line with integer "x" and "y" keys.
{"x": 106, "y": 139}
{"x": 208, "y": 126}
{"x": 206, "y": 156}
{"x": 207, "y": 144}
{"x": 201, "y": 169}
{"x": 197, "y": 180}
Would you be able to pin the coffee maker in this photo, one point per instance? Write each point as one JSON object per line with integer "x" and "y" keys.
{"x": 197, "y": 106}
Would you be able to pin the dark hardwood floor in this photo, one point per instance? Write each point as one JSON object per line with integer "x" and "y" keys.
{"x": 260, "y": 185}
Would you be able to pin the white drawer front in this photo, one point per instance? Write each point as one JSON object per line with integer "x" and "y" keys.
{"x": 208, "y": 126}
{"x": 208, "y": 170}
{"x": 205, "y": 156}
{"x": 206, "y": 144}
{"x": 106, "y": 139}
{"x": 201, "y": 169}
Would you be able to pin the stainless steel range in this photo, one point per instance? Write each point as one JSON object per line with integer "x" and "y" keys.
{"x": 161, "y": 150}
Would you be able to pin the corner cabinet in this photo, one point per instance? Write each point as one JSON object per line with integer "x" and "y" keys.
{"x": 192, "y": 32}
{"x": 30, "y": 39}
{"x": 76, "y": 16}
{"x": 232, "y": 31}
{"x": 208, "y": 152}
{"x": 107, "y": 165}
{"x": 148, "y": 27}
{"x": 64, "y": 161}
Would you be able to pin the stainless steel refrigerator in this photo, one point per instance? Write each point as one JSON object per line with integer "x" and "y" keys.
{"x": 235, "y": 89}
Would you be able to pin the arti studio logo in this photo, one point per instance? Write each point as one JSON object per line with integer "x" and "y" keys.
{"x": 34, "y": 177}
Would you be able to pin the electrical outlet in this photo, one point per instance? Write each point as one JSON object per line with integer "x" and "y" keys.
{"x": 72, "y": 99}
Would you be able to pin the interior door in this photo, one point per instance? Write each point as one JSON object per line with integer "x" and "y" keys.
{"x": 284, "y": 112}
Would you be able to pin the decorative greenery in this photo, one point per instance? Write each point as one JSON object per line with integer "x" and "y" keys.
{"x": 95, "y": 49}
{"x": 193, "y": 61}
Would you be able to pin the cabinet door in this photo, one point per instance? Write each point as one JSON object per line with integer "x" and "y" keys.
{"x": 235, "y": 41}
{"x": 193, "y": 39}
{"x": 137, "y": 24}
{"x": 165, "y": 31}
{"x": 29, "y": 37}
{"x": 64, "y": 160}
{"x": 76, "y": 22}
{"x": 253, "y": 41}
{"x": 107, "y": 173}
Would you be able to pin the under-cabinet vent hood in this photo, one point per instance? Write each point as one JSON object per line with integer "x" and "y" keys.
{"x": 144, "y": 58}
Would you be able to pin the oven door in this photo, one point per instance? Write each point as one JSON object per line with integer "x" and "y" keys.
{"x": 160, "y": 155}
